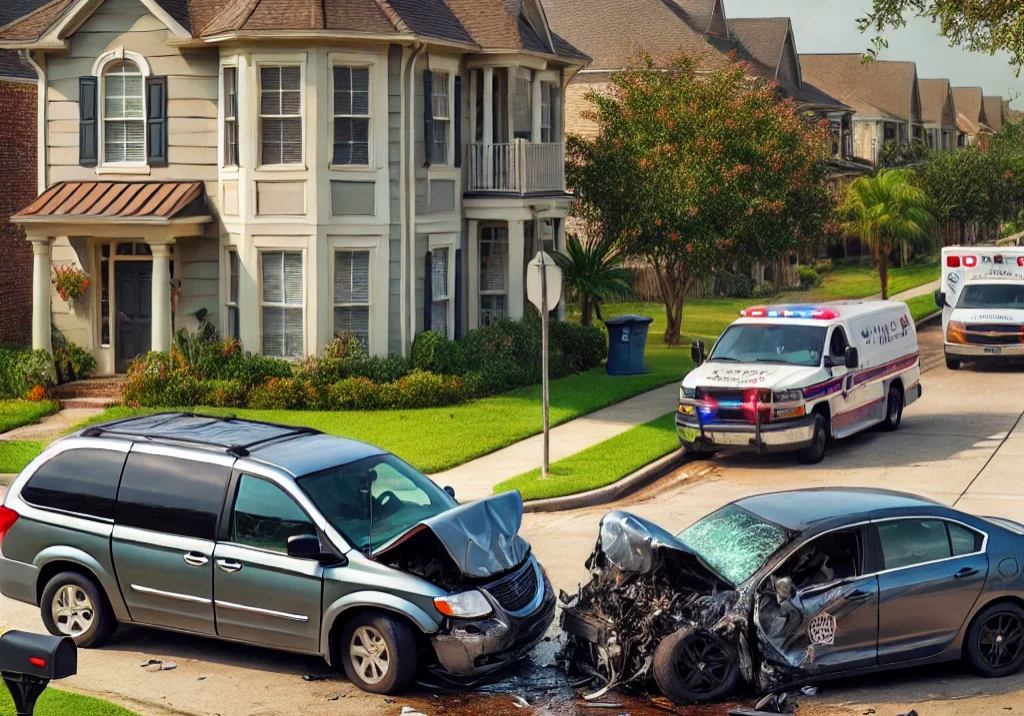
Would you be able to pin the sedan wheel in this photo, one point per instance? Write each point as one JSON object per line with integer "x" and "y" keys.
{"x": 693, "y": 666}
{"x": 995, "y": 641}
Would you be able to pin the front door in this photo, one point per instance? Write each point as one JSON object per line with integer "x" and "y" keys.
{"x": 134, "y": 282}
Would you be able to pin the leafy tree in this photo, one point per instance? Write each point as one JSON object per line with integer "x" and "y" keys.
{"x": 888, "y": 211}
{"x": 690, "y": 172}
{"x": 977, "y": 25}
{"x": 900, "y": 154}
{"x": 595, "y": 270}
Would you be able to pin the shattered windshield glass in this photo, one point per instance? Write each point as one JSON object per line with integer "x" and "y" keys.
{"x": 734, "y": 542}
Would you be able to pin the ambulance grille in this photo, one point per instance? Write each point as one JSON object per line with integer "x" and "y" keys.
{"x": 994, "y": 334}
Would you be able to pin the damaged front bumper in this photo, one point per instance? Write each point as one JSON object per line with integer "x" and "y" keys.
{"x": 475, "y": 647}
{"x": 772, "y": 437}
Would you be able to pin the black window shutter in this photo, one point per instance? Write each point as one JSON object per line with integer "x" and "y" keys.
{"x": 88, "y": 146}
{"x": 156, "y": 121}
{"x": 458, "y": 293}
{"x": 428, "y": 292}
{"x": 428, "y": 116}
{"x": 457, "y": 108}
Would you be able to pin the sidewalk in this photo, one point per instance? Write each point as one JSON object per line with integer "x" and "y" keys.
{"x": 476, "y": 479}
{"x": 923, "y": 290}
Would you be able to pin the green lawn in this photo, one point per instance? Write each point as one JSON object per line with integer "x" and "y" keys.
{"x": 62, "y": 703}
{"x": 15, "y": 413}
{"x": 922, "y": 307}
{"x": 601, "y": 464}
{"x": 16, "y": 454}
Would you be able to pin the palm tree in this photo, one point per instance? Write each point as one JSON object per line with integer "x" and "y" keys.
{"x": 888, "y": 212}
{"x": 595, "y": 270}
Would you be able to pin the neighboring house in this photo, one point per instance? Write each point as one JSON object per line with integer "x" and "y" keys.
{"x": 995, "y": 113}
{"x": 971, "y": 121}
{"x": 884, "y": 95}
{"x": 939, "y": 114}
{"x": 296, "y": 167}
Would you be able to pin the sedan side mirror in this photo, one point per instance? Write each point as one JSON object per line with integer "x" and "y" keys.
{"x": 698, "y": 353}
{"x": 852, "y": 358}
{"x": 450, "y": 490}
{"x": 940, "y": 298}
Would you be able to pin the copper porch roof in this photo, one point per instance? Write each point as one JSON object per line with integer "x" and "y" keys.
{"x": 144, "y": 201}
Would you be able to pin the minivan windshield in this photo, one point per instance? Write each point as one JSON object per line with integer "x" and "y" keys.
{"x": 396, "y": 494}
{"x": 992, "y": 295}
{"x": 771, "y": 343}
{"x": 735, "y": 542}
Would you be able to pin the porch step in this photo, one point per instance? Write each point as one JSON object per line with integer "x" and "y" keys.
{"x": 92, "y": 388}
{"x": 97, "y": 403}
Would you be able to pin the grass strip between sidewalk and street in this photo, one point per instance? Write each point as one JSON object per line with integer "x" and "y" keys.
{"x": 16, "y": 454}
{"x": 601, "y": 464}
{"x": 17, "y": 413}
{"x": 54, "y": 702}
{"x": 922, "y": 307}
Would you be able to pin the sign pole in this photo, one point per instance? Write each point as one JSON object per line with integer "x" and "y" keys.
{"x": 545, "y": 397}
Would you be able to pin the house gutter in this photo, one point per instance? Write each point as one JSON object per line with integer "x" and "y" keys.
{"x": 409, "y": 258}
{"x": 41, "y": 123}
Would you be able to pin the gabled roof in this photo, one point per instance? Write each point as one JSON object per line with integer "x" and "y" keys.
{"x": 879, "y": 89}
{"x": 994, "y": 113}
{"x": 970, "y": 109}
{"x": 937, "y": 105}
{"x": 706, "y": 17}
{"x": 503, "y": 25}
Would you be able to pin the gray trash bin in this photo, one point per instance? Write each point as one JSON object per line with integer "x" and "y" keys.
{"x": 627, "y": 340}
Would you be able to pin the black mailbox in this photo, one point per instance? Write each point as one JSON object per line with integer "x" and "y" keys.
{"x": 28, "y": 662}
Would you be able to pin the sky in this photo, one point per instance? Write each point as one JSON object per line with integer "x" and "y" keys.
{"x": 831, "y": 26}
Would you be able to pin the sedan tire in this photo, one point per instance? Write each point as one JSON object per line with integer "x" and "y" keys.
{"x": 696, "y": 666}
{"x": 995, "y": 641}
{"x": 378, "y": 652}
{"x": 74, "y": 605}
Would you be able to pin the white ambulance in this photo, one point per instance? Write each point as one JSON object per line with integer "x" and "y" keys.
{"x": 791, "y": 377}
{"x": 982, "y": 301}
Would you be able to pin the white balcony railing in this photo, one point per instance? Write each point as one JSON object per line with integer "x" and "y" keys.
{"x": 520, "y": 167}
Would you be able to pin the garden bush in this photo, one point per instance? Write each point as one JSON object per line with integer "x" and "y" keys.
{"x": 765, "y": 290}
{"x": 37, "y": 368}
{"x": 12, "y": 380}
{"x": 809, "y": 278}
{"x": 72, "y": 362}
{"x": 438, "y": 354}
{"x": 739, "y": 286}
{"x": 583, "y": 347}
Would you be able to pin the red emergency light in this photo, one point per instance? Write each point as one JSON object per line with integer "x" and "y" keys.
{"x": 953, "y": 262}
{"x": 998, "y": 259}
{"x": 1020, "y": 261}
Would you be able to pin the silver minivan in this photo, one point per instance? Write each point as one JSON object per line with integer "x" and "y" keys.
{"x": 271, "y": 535}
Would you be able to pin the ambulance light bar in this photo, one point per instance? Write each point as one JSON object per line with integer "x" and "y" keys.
{"x": 823, "y": 314}
{"x": 969, "y": 261}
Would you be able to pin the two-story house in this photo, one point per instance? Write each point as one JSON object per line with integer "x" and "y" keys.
{"x": 884, "y": 95}
{"x": 971, "y": 121}
{"x": 939, "y": 114}
{"x": 297, "y": 168}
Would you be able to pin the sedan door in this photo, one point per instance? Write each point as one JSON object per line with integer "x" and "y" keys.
{"x": 934, "y": 571}
{"x": 262, "y": 595}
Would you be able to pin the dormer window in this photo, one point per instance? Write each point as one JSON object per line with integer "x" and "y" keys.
{"x": 124, "y": 114}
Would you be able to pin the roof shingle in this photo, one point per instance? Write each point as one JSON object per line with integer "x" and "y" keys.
{"x": 994, "y": 113}
{"x": 970, "y": 109}
{"x": 879, "y": 89}
{"x": 935, "y": 98}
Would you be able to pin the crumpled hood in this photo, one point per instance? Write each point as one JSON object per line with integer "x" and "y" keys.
{"x": 480, "y": 537}
{"x": 754, "y": 375}
{"x": 635, "y": 545}
{"x": 988, "y": 315}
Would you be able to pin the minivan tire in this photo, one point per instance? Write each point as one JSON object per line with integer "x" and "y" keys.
{"x": 89, "y": 610}
{"x": 815, "y": 452}
{"x": 719, "y": 666}
{"x": 980, "y": 650}
{"x": 893, "y": 409}
{"x": 399, "y": 654}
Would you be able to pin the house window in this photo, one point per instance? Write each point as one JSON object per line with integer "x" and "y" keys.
{"x": 352, "y": 294}
{"x": 231, "y": 116}
{"x": 493, "y": 274}
{"x": 546, "y": 92}
{"x": 232, "y": 303}
{"x": 105, "y": 295}
{"x": 281, "y": 115}
{"x": 124, "y": 114}
{"x": 283, "y": 332}
{"x": 442, "y": 115}
{"x": 440, "y": 298}
{"x": 351, "y": 115}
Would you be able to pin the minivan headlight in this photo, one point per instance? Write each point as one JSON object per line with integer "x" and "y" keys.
{"x": 788, "y": 396}
{"x": 465, "y": 605}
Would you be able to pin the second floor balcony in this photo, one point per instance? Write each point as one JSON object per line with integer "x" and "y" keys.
{"x": 516, "y": 167}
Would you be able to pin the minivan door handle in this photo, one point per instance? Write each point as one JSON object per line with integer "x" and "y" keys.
{"x": 196, "y": 559}
{"x": 229, "y": 565}
{"x": 965, "y": 573}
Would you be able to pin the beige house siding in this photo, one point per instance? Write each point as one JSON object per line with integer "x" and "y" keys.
{"x": 576, "y": 102}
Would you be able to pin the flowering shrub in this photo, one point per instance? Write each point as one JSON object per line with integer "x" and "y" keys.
{"x": 70, "y": 281}
{"x": 72, "y": 362}
{"x": 36, "y": 394}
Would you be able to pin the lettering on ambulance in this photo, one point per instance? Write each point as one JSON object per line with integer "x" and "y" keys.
{"x": 882, "y": 334}
{"x": 738, "y": 376}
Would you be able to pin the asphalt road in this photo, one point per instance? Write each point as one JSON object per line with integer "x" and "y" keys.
{"x": 961, "y": 444}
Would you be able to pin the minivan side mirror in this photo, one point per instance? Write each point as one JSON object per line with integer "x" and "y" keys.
{"x": 305, "y": 547}
{"x": 698, "y": 353}
{"x": 852, "y": 358}
{"x": 940, "y": 298}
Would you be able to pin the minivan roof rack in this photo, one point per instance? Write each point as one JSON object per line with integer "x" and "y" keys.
{"x": 153, "y": 428}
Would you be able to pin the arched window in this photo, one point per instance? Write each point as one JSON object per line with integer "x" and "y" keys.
{"x": 124, "y": 114}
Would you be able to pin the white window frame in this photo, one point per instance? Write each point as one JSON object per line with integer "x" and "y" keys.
{"x": 449, "y": 242}
{"x": 264, "y": 304}
{"x": 258, "y": 63}
{"x": 353, "y": 63}
{"x": 228, "y": 302}
{"x": 369, "y": 305}
{"x": 479, "y": 268}
{"x": 99, "y": 70}
{"x": 224, "y": 118}
{"x": 449, "y": 66}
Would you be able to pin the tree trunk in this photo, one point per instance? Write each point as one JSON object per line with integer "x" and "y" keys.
{"x": 585, "y": 319}
{"x": 673, "y": 283}
{"x": 883, "y": 271}
{"x": 597, "y": 310}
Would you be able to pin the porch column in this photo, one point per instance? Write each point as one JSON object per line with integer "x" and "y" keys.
{"x": 488, "y": 133}
{"x": 536, "y": 119}
{"x": 516, "y": 268}
{"x": 41, "y": 292}
{"x": 473, "y": 273}
{"x": 161, "y": 326}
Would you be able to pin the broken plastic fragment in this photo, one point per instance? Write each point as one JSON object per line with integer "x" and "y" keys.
{"x": 809, "y": 691}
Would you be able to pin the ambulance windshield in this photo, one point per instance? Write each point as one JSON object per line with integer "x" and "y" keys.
{"x": 781, "y": 343}
{"x": 992, "y": 295}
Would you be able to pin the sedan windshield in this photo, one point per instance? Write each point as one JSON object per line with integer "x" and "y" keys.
{"x": 992, "y": 295}
{"x": 764, "y": 343}
{"x": 735, "y": 542}
{"x": 394, "y": 494}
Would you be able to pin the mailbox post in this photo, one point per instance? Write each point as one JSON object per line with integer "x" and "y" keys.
{"x": 28, "y": 662}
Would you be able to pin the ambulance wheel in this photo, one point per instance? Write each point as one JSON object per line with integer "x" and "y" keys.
{"x": 815, "y": 452}
{"x": 953, "y": 364}
{"x": 893, "y": 409}
{"x": 695, "y": 454}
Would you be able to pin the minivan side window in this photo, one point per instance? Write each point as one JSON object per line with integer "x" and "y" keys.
{"x": 167, "y": 494}
{"x": 265, "y": 516}
{"x": 83, "y": 481}
{"x": 916, "y": 541}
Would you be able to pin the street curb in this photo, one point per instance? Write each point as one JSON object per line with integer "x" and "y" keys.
{"x": 928, "y": 319}
{"x": 615, "y": 491}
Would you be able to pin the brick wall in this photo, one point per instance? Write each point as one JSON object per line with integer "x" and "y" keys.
{"x": 576, "y": 103}
{"x": 18, "y": 177}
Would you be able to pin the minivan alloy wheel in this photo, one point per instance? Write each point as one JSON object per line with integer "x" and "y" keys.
{"x": 369, "y": 654}
{"x": 73, "y": 612}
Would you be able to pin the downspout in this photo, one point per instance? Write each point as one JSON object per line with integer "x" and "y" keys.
{"x": 40, "y": 122}
{"x": 410, "y": 197}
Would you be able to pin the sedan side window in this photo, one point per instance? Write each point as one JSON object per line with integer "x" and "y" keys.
{"x": 913, "y": 541}
{"x": 962, "y": 540}
{"x": 833, "y": 556}
{"x": 265, "y": 516}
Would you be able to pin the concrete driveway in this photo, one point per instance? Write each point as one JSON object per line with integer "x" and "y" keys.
{"x": 962, "y": 444}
